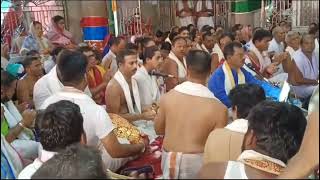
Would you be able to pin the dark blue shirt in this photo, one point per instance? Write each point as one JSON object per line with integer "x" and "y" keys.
{"x": 217, "y": 87}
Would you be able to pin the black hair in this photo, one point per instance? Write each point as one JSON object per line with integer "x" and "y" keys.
{"x": 189, "y": 27}
{"x": 177, "y": 39}
{"x": 198, "y": 61}
{"x": 149, "y": 52}
{"x": 121, "y": 56}
{"x": 57, "y": 18}
{"x": 206, "y": 34}
{"x": 115, "y": 40}
{"x": 278, "y": 127}
{"x": 33, "y": 53}
{"x": 131, "y": 46}
{"x": 183, "y": 28}
{"x": 36, "y": 22}
{"x": 27, "y": 61}
{"x": 6, "y": 79}
{"x": 226, "y": 34}
{"x": 204, "y": 28}
{"x": 165, "y": 46}
{"x": 83, "y": 49}
{"x": 229, "y": 49}
{"x": 145, "y": 41}
{"x": 159, "y": 34}
{"x": 236, "y": 27}
{"x": 74, "y": 162}
{"x": 260, "y": 34}
{"x": 72, "y": 66}
{"x": 314, "y": 29}
{"x": 59, "y": 125}
{"x": 245, "y": 97}
{"x": 172, "y": 35}
{"x": 193, "y": 34}
{"x": 55, "y": 52}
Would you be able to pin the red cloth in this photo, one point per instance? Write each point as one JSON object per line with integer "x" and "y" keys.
{"x": 96, "y": 81}
{"x": 149, "y": 158}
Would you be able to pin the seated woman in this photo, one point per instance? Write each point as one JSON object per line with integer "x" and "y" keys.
{"x": 58, "y": 35}
{"x": 36, "y": 41}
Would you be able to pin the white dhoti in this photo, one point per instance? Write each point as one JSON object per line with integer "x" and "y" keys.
{"x": 177, "y": 165}
{"x": 205, "y": 21}
{"x": 185, "y": 21}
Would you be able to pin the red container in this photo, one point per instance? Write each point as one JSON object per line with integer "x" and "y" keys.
{"x": 93, "y": 21}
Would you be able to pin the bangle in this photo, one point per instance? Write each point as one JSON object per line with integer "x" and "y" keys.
{"x": 21, "y": 125}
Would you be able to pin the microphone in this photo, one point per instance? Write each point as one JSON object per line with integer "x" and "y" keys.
{"x": 250, "y": 66}
{"x": 154, "y": 73}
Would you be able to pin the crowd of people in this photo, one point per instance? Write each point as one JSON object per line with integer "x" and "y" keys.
{"x": 203, "y": 99}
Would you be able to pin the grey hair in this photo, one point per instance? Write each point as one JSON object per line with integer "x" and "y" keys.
{"x": 290, "y": 35}
{"x": 276, "y": 29}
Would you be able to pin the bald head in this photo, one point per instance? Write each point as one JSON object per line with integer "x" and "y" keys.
{"x": 278, "y": 33}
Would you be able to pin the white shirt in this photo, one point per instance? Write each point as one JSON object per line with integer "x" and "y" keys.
{"x": 112, "y": 56}
{"x": 96, "y": 122}
{"x": 148, "y": 87}
{"x": 275, "y": 46}
{"x": 4, "y": 63}
{"x": 29, "y": 170}
{"x": 308, "y": 70}
{"x": 47, "y": 86}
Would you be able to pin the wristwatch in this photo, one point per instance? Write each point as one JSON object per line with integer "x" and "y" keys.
{"x": 22, "y": 125}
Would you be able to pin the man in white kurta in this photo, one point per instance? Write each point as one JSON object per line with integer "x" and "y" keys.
{"x": 46, "y": 86}
{"x": 147, "y": 84}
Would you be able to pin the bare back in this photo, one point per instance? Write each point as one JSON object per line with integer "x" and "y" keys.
{"x": 189, "y": 120}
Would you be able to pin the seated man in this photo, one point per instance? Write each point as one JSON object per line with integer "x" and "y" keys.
{"x": 177, "y": 117}
{"x": 96, "y": 122}
{"x": 147, "y": 83}
{"x": 33, "y": 68}
{"x": 231, "y": 74}
{"x": 47, "y": 85}
{"x": 225, "y": 144}
{"x": 175, "y": 64}
{"x": 258, "y": 56}
{"x": 58, "y": 126}
{"x": 76, "y": 161}
{"x": 122, "y": 94}
{"x": 306, "y": 71}
{"x": 15, "y": 126}
{"x": 307, "y": 159}
{"x": 109, "y": 62}
{"x": 274, "y": 135}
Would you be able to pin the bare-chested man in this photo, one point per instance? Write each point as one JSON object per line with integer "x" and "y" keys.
{"x": 33, "y": 68}
{"x": 175, "y": 64}
{"x": 186, "y": 116}
{"x": 122, "y": 95}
